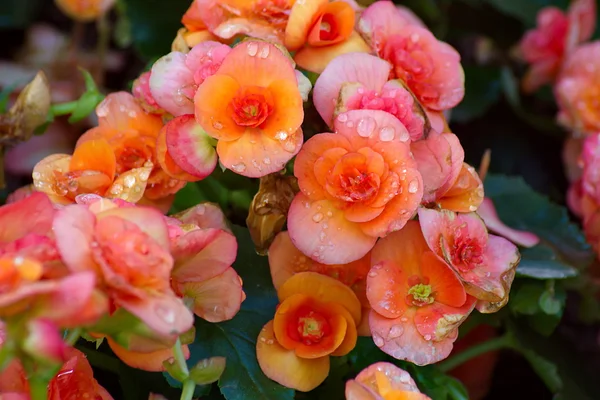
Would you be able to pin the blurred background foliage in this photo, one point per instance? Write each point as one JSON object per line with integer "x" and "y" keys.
{"x": 555, "y": 334}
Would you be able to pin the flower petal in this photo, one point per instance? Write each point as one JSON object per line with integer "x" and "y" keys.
{"x": 32, "y": 215}
{"x": 300, "y": 21}
{"x": 169, "y": 76}
{"x": 316, "y": 59}
{"x": 488, "y": 213}
{"x": 152, "y": 361}
{"x": 437, "y": 321}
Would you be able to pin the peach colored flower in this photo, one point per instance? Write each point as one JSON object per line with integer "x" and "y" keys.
{"x": 357, "y": 185}
{"x": 577, "y": 89}
{"x": 202, "y": 272}
{"x": 360, "y": 81}
{"x": 557, "y": 34}
{"x": 417, "y": 300}
{"x": 383, "y": 381}
{"x": 128, "y": 250}
{"x": 320, "y": 30}
{"x": 84, "y": 10}
{"x": 253, "y": 106}
{"x": 144, "y": 354}
{"x": 316, "y": 318}
{"x": 175, "y": 77}
{"x": 430, "y": 68}
{"x": 485, "y": 263}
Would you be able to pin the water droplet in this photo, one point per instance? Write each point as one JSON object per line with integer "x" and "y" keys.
{"x": 317, "y": 217}
{"x": 267, "y": 160}
{"x": 217, "y": 125}
{"x": 270, "y": 341}
{"x": 366, "y": 126}
{"x": 387, "y": 133}
{"x": 350, "y": 124}
{"x": 18, "y": 260}
{"x": 403, "y": 136}
{"x": 129, "y": 181}
{"x": 342, "y": 117}
{"x": 427, "y": 337}
{"x": 252, "y": 49}
{"x": 413, "y": 186}
{"x": 165, "y": 313}
{"x": 329, "y": 214}
{"x": 322, "y": 236}
{"x": 378, "y": 340}
{"x": 116, "y": 189}
{"x": 472, "y": 208}
{"x": 144, "y": 175}
{"x": 281, "y": 135}
{"x": 264, "y": 52}
{"x": 262, "y": 339}
{"x": 240, "y": 167}
{"x": 396, "y": 331}
{"x": 289, "y": 146}
{"x": 403, "y": 319}
{"x": 36, "y": 175}
{"x": 372, "y": 273}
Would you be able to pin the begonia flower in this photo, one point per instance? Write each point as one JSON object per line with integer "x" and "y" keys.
{"x": 356, "y": 185}
{"x": 128, "y": 249}
{"x": 253, "y": 106}
{"x": 320, "y": 30}
{"x": 429, "y": 67}
{"x": 485, "y": 263}
{"x": 556, "y": 35}
{"x": 360, "y": 81}
{"x": 417, "y": 301}
{"x": 84, "y": 10}
{"x": 577, "y": 89}
{"x": 383, "y": 381}
{"x": 316, "y": 319}
{"x": 146, "y": 356}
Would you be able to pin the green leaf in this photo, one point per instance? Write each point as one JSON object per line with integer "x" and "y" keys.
{"x": 525, "y": 298}
{"x": 546, "y": 370}
{"x": 85, "y": 106}
{"x": 482, "y": 90}
{"x": 236, "y": 339}
{"x": 563, "y": 246}
{"x": 90, "y": 84}
{"x": 208, "y": 370}
{"x": 553, "y": 300}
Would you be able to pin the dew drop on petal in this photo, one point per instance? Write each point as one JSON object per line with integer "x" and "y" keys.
{"x": 403, "y": 136}
{"x": 318, "y": 217}
{"x": 378, "y": 340}
{"x": 413, "y": 186}
{"x": 116, "y": 189}
{"x": 396, "y": 331}
{"x": 240, "y": 167}
{"x": 217, "y": 125}
{"x": 264, "y": 52}
{"x": 342, "y": 117}
{"x": 366, "y": 126}
{"x": 427, "y": 337}
{"x": 387, "y": 133}
{"x": 281, "y": 135}
{"x": 129, "y": 181}
{"x": 372, "y": 273}
{"x": 36, "y": 175}
{"x": 267, "y": 161}
{"x": 252, "y": 49}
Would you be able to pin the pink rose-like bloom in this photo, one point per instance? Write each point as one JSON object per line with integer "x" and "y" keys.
{"x": 381, "y": 381}
{"x": 429, "y": 67}
{"x": 129, "y": 251}
{"x": 485, "y": 263}
{"x": 557, "y": 33}
{"x": 577, "y": 90}
{"x": 204, "y": 252}
{"x": 141, "y": 91}
{"x": 356, "y": 81}
{"x": 175, "y": 77}
{"x": 585, "y": 195}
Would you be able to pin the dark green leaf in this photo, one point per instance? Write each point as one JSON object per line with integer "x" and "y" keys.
{"x": 208, "y": 370}
{"x": 522, "y": 208}
{"x": 525, "y": 298}
{"x": 482, "y": 90}
{"x": 552, "y": 301}
{"x": 236, "y": 339}
{"x": 546, "y": 370}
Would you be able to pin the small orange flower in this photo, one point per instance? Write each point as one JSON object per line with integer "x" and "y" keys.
{"x": 253, "y": 106}
{"x": 84, "y": 10}
{"x": 316, "y": 318}
{"x": 327, "y": 30}
{"x": 383, "y": 381}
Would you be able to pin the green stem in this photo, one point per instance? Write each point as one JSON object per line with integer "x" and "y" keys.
{"x": 38, "y": 388}
{"x": 188, "y": 389}
{"x": 63, "y": 108}
{"x": 73, "y": 336}
{"x": 103, "y": 29}
{"x": 180, "y": 358}
{"x": 474, "y": 351}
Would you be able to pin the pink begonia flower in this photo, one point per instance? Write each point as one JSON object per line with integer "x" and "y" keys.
{"x": 417, "y": 301}
{"x": 429, "y": 67}
{"x": 141, "y": 91}
{"x": 44, "y": 342}
{"x": 488, "y": 213}
{"x": 485, "y": 263}
{"x": 557, "y": 34}
{"x": 129, "y": 251}
{"x": 175, "y": 77}
{"x": 383, "y": 381}
{"x": 357, "y": 81}
{"x": 356, "y": 185}
{"x": 577, "y": 89}
{"x": 203, "y": 259}
{"x": 439, "y": 159}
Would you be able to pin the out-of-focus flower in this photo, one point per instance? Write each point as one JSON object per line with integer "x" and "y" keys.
{"x": 145, "y": 355}
{"x": 316, "y": 318}
{"x": 577, "y": 89}
{"x": 485, "y": 263}
{"x": 320, "y": 30}
{"x": 141, "y": 91}
{"x": 128, "y": 249}
{"x": 429, "y": 67}
{"x": 253, "y": 106}
{"x": 203, "y": 272}
{"x": 360, "y": 81}
{"x": 84, "y": 10}
{"x": 269, "y": 208}
{"x": 556, "y": 35}
{"x": 383, "y": 381}
{"x": 44, "y": 342}
{"x": 357, "y": 185}
{"x": 487, "y": 212}
{"x": 175, "y": 77}
{"x": 194, "y": 31}
{"x": 417, "y": 301}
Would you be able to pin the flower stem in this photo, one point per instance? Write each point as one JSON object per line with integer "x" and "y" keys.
{"x": 63, "y": 108}
{"x": 501, "y": 342}
{"x": 73, "y": 336}
{"x": 188, "y": 389}
{"x": 180, "y": 358}
{"x": 38, "y": 388}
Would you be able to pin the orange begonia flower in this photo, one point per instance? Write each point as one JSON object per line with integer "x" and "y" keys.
{"x": 466, "y": 193}
{"x": 253, "y": 106}
{"x": 383, "y": 381}
{"x": 417, "y": 301}
{"x": 326, "y": 29}
{"x": 356, "y": 185}
{"x": 316, "y": 318}
{"x": 151, "y": 360}
{"x": 84, "y": 10}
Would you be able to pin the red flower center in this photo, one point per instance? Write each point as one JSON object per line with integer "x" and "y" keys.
{"x": 251, "y": 106}
{"x": 351, "y": 180}
{"x": 328, "y": 29}
{"x": 312, "y": 327}
{"x": 467, "y": 254}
